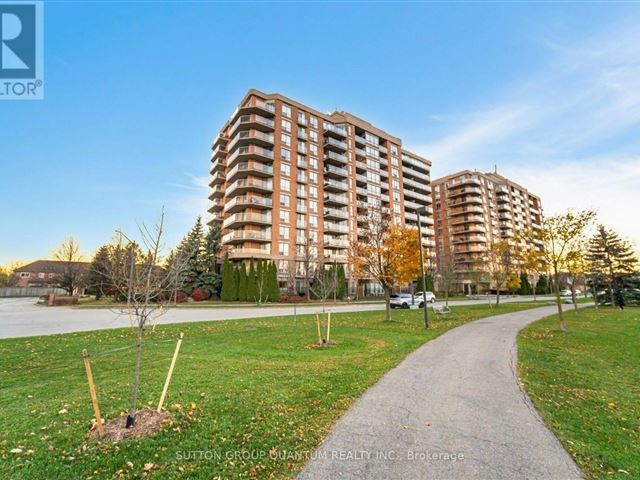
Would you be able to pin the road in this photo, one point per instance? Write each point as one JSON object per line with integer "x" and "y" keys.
{"x": 453, "y": 409}
{"x": 21, "y": 317}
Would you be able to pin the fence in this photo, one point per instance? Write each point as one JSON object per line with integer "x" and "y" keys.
{"x": 29, "y": 291}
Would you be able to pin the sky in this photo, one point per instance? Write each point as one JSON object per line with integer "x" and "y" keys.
{"x": 135, "y": 93}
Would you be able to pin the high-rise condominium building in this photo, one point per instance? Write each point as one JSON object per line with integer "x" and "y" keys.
{"x": 288, "y": 181}
{"x": 471, "y": 210}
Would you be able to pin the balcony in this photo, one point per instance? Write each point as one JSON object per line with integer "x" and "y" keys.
{"x": 335, "y": 157}
{"x": 216, "y": 192}
{"x": 362, "y": 191}
{"x": 253, "y": 201}
{"x": 465, "y": 201}
{"x": 217, "y": 178}
{"x": 335, "y": 172}
{"x": 219, "y": 152}
{"x": 301, "y": 193}
{"x": 501, "y": 189}
{"x": 302, "y": 164}
{"x": 464, "y": 191}
{"x": 505, "y": 216}
{"x": 360, "y": 153}
{"x": 335, "y": 214}
{"x": 465, "y": 210}
{"x": 252, "y": 121}
{"x": 249, "y": 184}
{"x": 469, "y": 229}
{"x": 239, "y": 236}
{"x": 360, "y": 140}
{"x": 241, "y": 253}
{"x": 467, "y": 219}
{"x": 360, "y": 178}
{"x": 425, "y": 187}
{"x": 332, "y": 199}
{"x": 418, "y": 176}
{"x": 302, "y": 121}
{"x": 245, "y": 137}
{"x": 247, "y": 218}
{"x": 337, "y": 257}
{"x": 331, "y": 227}
{"x": 244, "y": 169}
{"x": 416, "y": 195}
{"x": 383, "y": 149}
{"x": 302, "y": 135}
{"x": 216, "y": 206}
{"x": 255, "y": 105}
{"x": 334, "y": 130}
{"x": 302, "y": 148}
{"x": 470, "y": 239}
{"x": 330, "y": 242}
{"x": 301, "y": 177}
{"x": 218, "y": 165}
{"x": 250, "y": 151}
{"x": 410, "y": 216}
{"x": 414, "y": 162}
{"x": 331, "y": 185}
{"x": 333, "y": 144}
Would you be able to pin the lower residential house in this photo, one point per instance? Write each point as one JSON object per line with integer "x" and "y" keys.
{"x": 47, "y": 273}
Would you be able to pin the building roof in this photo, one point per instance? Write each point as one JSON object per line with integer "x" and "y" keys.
{"x": 49, "y": 266}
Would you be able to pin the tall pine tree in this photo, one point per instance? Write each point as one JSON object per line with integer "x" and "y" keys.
{"x": 228, "y": 280}
{"x": 251, "y": 283}
{"x": 242, "y": 283}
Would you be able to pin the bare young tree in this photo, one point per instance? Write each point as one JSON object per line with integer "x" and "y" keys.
{"x": 498, "y": 261}
{"x": 70, "y": 278}
{"x": 309, "y": 262}
{"x": 446, "y": 273}
{"x": 136, "y": 273}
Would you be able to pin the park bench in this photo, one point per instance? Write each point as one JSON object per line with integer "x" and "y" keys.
{"x": 441, "y": 309}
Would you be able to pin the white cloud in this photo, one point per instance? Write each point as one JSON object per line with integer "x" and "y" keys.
{"x": 568, "y": 132}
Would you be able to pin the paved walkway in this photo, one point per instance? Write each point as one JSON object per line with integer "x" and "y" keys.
{"x": 453, "y": 409}
{"x": 21, "y": 317}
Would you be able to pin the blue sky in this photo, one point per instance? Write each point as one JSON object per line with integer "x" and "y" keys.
{"x": 136, "y": 92}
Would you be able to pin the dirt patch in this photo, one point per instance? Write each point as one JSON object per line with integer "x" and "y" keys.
{"x": 147, "y": 423}
{"x": 330, "y": 343}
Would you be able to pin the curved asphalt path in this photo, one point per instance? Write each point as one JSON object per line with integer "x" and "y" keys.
{"x": 457, "y": 395}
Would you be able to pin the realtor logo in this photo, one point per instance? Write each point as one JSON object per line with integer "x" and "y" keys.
{"x": 21, "y": 73}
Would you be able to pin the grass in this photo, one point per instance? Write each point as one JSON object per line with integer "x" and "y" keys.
{"x": 586, "y": 386}
{"x": 255, "y": 386}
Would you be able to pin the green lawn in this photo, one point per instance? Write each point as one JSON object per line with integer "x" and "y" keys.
{"x": 586, "y": 386}
{"x": 253, "y": 385}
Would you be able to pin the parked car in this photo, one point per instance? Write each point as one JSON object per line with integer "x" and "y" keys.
{"x": 401, "y": 300}
{"x": 565, "y": 293}
{"x": 429, "y": 296}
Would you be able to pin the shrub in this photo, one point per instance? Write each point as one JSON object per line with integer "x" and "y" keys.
{"x": 199, "y": 295}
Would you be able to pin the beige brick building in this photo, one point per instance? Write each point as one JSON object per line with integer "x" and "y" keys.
{"x": 472, "y": 209}
{"x": 286, "y": 179}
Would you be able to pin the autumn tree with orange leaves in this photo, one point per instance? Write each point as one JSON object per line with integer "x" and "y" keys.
{"x": 385, "y": 252}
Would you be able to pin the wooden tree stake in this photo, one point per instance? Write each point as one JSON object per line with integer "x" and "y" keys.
{"x": 92, "y": 391}
{"x": 173, "y": 364}
{"x": 319, "y": 333}
{"x": 328, "y": 327}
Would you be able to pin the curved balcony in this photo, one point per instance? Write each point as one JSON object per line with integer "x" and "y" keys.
{"x": 331, "y": 227}
{"x": 238, "y": 203}
{"x": 465, "y": 211}
{"x": 218, "y": 178}
{"x": 242, "y": 253}
{"x": 330, "y": 129}
{"x": 239, "y": 236}
{"x": 244, "y": 169}
{"x": 253, "y": 136}
{"x": 336, "y": 214}
{"x": 257, "y": 106}
{"x": 455, "y": 192}
{"x": 249, "y": 184}
{"x": 248, "y": 152}
{"x": 247, "y": 218}
{"x": 470, "y": 239}
{"x": 216, "y": 192}
{"x": 423, "y": 186}
{"x": 253, "y": 120}
{"x": 468, "y": 219}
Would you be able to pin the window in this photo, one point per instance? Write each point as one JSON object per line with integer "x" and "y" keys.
{"x": 302, "y": 191}
{"x": 313, "y": 177}
{"x": 371, "y": 138}
{"x": 285, "y": 154}
{"x": 286, "y": 139}
{"x": 396, "y": 208}
{"x": 284, "y": 216}
{"x": 394, "y": 149}
{"x": 396, "y": 196}
{"x": 301, "y": 220}
{"x": 313, "y": 220}
{"x": 286, "y": 110}
{"x": 283, "y": 248}
{"x": 286, "y": 125}
{"x": 313, "y": 135}
{"x": 371, "y": 163}
{"x": 313, "y": 163}
{"x": 300, "y": 205}
{"x": 313, "y": 206}
{"x": 373, "y": 189}
{"x": 285, "y": 169}
{"x": 395, "y": 173}
{"x": 301, "y": 117}
{"x": 396, "y": 184}
{"x": 284, "y": 200}
{"x": 313, "y": 121}
{"x": 313, "y": 149}
{"x": 41, "y": 275}
{"x": 313, "y": 192}
{"x": 313, "y": 236}
{"x": 372, "y": 151}
{"x": 373, "y": 177}
{"x": 285, "y": 185}
{"x": 395, "y": 162}
{"x": 284, "y": 233}
{"x": 24, "y": 274}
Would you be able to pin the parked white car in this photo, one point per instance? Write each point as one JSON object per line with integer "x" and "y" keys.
{"x": 565, "y": 293}
{"x": 401, "y": 300}
{"x": 429, "y": 296}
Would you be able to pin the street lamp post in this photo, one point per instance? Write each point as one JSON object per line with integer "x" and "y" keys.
{"x": 424, "y": 283}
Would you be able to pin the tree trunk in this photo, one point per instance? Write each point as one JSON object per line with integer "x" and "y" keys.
{"x": 387, "y": 301}
{"x": 556, "y": 287}
{"x": 446, "y": 297}
{"x": 573, "y": 295}
{"x": 131, "y": 418}
{"x": 613, "y": 303}
{"x": 497, "y": 295}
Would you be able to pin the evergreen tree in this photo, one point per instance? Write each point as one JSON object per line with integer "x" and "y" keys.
{"x": 542, "y": 287}
{"x": 228, "y": 286}
{"x": 610, "y": 257}
{"x": 342, "y": 282}
{"x": 251, "y": 283}
{"x": 273, "y": 279}
{"x": 97, "y": 277}
{"x": 260, "y": 288}
{"x": 242, "y": 283}
{"x": 525, "y": 285}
